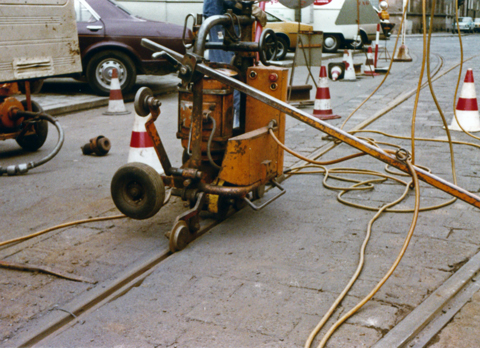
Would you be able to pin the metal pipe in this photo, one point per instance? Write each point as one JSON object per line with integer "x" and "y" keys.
{"x": 345, "y": 137}
{"x": 208, "y": 24}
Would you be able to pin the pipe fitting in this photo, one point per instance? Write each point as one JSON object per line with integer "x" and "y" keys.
{"x": 99, "y": 146}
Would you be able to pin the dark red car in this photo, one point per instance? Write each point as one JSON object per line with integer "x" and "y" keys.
{"x": 109, "y": 37}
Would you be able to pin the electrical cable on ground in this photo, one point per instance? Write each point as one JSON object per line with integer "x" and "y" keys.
{"x": 25, "y": 167}
{"x": 363, "y": 185}
{"x": 72, "y": 223}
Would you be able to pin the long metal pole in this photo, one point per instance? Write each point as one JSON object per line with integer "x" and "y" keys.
{"x": 343, "y": 136}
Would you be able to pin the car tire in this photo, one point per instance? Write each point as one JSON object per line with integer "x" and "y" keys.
{"x": 331, "y": 43}
{"x": 99, "y": 70}
{"x": 282, "y": 48}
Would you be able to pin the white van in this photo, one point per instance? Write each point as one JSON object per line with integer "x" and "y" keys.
{"x": 338, "y": 20}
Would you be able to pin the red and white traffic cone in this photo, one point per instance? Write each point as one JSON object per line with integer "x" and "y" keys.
{"x": 115, "y": 103}
{"x": 370, "y": 64}
{"x": 141, "y": 145}
{"x": 349, "y": 68}
{"x": 322, "y": 108}
{"x": 336, "y": 71}
{"x": 467, "y": 107}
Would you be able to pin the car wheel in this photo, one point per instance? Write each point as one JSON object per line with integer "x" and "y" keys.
{"x": 99, "y": 71}
{"x": 33, "y": 142}
{"x": 282, "y": 48}
{"x": 331, "y": 43}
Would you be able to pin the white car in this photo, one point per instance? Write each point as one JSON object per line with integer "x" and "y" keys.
{"x": 465, "y": 24}
{"x": 477, "y": 24}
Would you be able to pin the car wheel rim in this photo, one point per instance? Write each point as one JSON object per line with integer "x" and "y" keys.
{"x": 329, "y": 42}
{"x": 104, "y": 72}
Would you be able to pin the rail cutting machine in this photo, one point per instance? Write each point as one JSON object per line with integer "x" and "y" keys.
{"x": 223, "y": 165}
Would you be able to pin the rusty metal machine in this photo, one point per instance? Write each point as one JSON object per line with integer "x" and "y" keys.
{"x": 39, "y": 41}
{"x": 223, "y": 165}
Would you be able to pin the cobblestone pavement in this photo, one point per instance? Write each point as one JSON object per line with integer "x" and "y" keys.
{"x": 264, "y": 279}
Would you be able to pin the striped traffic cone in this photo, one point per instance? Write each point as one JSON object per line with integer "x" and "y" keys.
{"x": 322, "y": 108}
{"x": 141, "y": 145}
{"x": 336, "y": 71}
{"x": 370, "y": 64}
{"x": 115, "y": 103}
{"x": 467, "y": 107}
{"x": 349, "y": 68}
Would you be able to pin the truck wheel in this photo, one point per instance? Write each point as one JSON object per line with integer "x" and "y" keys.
{"x": 331, "y": 43}
{"x": 137, "y": 190}
{"x": 33, "y": 142}
{"x": 99, "y": 71}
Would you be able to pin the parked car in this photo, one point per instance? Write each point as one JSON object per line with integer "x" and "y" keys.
{"x": 110, "y": 37}
{"x": 465, "y": 24}
{"x": 287, "y": 32}
{"x": 477, "y": 24}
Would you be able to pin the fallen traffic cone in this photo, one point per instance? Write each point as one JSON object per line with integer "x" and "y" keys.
{"x": 349, "y": 68}
{"x": 115, "y": 103}
{"x": 322, "y": 108}
{"x": 336, "y": 71}
{"x": 402, "y": 54}
{"x": 467, "y": 107}
{"x": 370, "y": 64}
{"x": 141, "y": 145}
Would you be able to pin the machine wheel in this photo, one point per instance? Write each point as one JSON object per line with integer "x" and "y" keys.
{"x": 267, "y": 46}
{"x": 282, "y": 48}
{"x": 180, "y": 236}
{"x": 99, "y": 71}
{"x": 33, "y": 142}
{"x": 331, "y": 43}
{"x": 137, "y": 190}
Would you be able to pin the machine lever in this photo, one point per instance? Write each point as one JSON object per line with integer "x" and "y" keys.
{"x": 175, "y": 63}
{"x": 256, "y": 208}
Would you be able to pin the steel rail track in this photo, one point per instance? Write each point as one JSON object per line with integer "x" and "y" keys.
{"x": 76, "y": 310}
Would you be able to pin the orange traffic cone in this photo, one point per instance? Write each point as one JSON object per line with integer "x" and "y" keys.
{"x": 141, "y": 145}
{"x": 467, "y": 107}
{"x": 322, "y": 108}
{"x": 370, "y": 64}
{"x": 115, "y": 103}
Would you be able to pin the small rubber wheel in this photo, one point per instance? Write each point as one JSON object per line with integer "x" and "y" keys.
{"x": 180, "y": 236}
{"x": 33, "y": 142}
{"x": 137, "y": 190}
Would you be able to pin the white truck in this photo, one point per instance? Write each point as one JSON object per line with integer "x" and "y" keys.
{"x": 349, "y": 23}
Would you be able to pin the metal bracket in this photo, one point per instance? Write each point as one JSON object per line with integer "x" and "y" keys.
{"x": 256, "y": 208}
